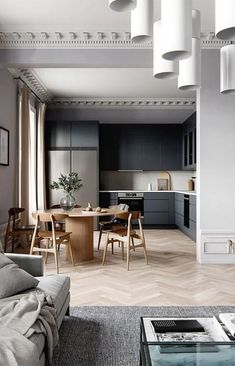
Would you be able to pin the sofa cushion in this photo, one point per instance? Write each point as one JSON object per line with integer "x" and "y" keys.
{"x": 13, "y": 279}
{"x": 57, "y": 286}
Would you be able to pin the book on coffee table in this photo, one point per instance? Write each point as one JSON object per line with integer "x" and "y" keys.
{"x": 185, "y": 335}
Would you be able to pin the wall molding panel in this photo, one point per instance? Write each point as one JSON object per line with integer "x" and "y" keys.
{"x": 217, "y": 246}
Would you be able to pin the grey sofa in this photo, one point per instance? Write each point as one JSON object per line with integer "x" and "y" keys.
{"x": 57, "y": 286}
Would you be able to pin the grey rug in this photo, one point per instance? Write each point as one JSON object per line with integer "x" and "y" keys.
{"x": 109, "y": 336}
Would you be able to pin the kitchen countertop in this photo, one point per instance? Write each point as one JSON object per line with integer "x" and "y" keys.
{"x": 146, "y": 191}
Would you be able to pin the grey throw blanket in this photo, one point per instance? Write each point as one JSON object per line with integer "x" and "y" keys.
{"x": 21, "y": 316}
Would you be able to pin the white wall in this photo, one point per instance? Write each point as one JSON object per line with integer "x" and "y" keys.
{"x": 111, "y": 180}
{"x": 8, "y": 120}
{"x": 216, "y": 167}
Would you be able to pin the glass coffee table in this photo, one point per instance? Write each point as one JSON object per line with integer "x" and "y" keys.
{"x": 155, "y": 353}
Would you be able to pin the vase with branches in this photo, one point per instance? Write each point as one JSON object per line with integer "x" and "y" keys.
{"x": 69, "y": 183}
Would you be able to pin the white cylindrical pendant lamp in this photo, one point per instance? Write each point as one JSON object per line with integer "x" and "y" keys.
{"x": 176, "y": 18}
{"x": 190, "y": 68}
{"x": 142, "y": 21}
{"x": 122, "y": 5}
{"x": 162, "y": 69}
{"x": 225, "y": 19}
{"x": 227, "y": 69}
{"x": 196, "y": 24}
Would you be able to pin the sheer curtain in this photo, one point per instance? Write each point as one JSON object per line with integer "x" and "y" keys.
{"x": 41, "y": 173}
{"x": 32, "y": 191}
{"x": 32, "y": 178}
{"x": 24, "y": 118}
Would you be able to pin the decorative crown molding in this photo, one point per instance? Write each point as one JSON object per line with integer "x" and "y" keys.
{"x": 29, "y": 78}
{"x": 181, "y": 103}
{"x": 86, "y": 39}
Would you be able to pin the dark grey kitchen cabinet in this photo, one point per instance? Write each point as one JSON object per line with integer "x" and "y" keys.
{"x": 57, "y": 134}
{"x": 75, "y": 134}
{"x": 109, "y": 147}
{"x": 189, "y": 140}
{"x": 152, "y": 139}
{"x": 159, "y": 209}
{"x": 140, "y": 147}
{"x": 84, "y": 134}
{"x": 180, "y": 212}
{"x": 171, "y": 148}
{"x": 130, "y": 147}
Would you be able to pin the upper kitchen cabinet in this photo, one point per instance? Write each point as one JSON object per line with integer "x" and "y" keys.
{"x": 57, "y": 134}
{"x": 152, "y": 140}
{"x": 130, "y": 148}
{"x": 109, "y": 147}
{"x": 171, "y": 148}
{"x": 84, "y": 134}
{"x": 189, "y": 140}
{"x": 71, "y": 135}
{"x": 140, "y": 147}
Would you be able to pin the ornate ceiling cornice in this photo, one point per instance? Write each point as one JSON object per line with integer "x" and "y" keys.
{"x": 28, "y": 77}
{"x": 85, "y": 39}
{"x": 181, "y": 103}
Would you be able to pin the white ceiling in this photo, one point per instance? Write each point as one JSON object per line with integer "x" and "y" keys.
{"x": 93, "y": 15}
{"x": 111, "y": 82}
{"x": 88, "y": 15}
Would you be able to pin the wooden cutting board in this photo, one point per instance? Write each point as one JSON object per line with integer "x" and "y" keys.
{"x": 166, "y": 175}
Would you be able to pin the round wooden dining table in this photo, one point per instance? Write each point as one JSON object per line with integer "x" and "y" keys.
{"x": 81, "y": 224}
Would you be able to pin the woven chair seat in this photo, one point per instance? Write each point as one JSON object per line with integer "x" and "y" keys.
{"x": 123, "y": 232}
{"x": 48, "y": 234}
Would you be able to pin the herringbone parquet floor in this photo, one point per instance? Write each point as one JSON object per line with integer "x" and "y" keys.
{"x": 173, "y": 277}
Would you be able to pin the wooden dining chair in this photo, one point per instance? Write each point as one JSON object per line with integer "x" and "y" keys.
{"x": 61, "y": 225}
{"x": 128, "y": 236}
{"x": 15, "y": 229}
{"x": 114, "y": 224}
{"x": 53, "y": 238}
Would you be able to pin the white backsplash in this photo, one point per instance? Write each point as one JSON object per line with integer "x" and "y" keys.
{"x": 114, "y": 180}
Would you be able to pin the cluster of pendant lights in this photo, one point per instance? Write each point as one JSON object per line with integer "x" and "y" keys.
{"x": 176, "y": 39}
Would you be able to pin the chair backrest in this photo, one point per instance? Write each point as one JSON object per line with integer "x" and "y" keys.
{"x": 135, "y": 215}
{"x": 122, "y": 215}
{"x": 13, "y": 216}
{"x": 48, "y": 217}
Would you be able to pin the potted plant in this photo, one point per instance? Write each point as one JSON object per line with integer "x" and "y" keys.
{"x": 69, "y": 183}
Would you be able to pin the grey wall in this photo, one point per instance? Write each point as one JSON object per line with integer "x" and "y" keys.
{"x": 8, "y": 119}
{"x": 120, "y": 115}
{"x": 216, "y": 150}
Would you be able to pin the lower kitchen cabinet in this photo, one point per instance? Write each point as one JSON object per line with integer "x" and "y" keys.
{"x": 180, "y": 212}
{"x": 159, "y": 209}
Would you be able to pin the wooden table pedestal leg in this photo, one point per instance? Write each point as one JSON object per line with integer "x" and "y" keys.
{"x": 81, "y": 237}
